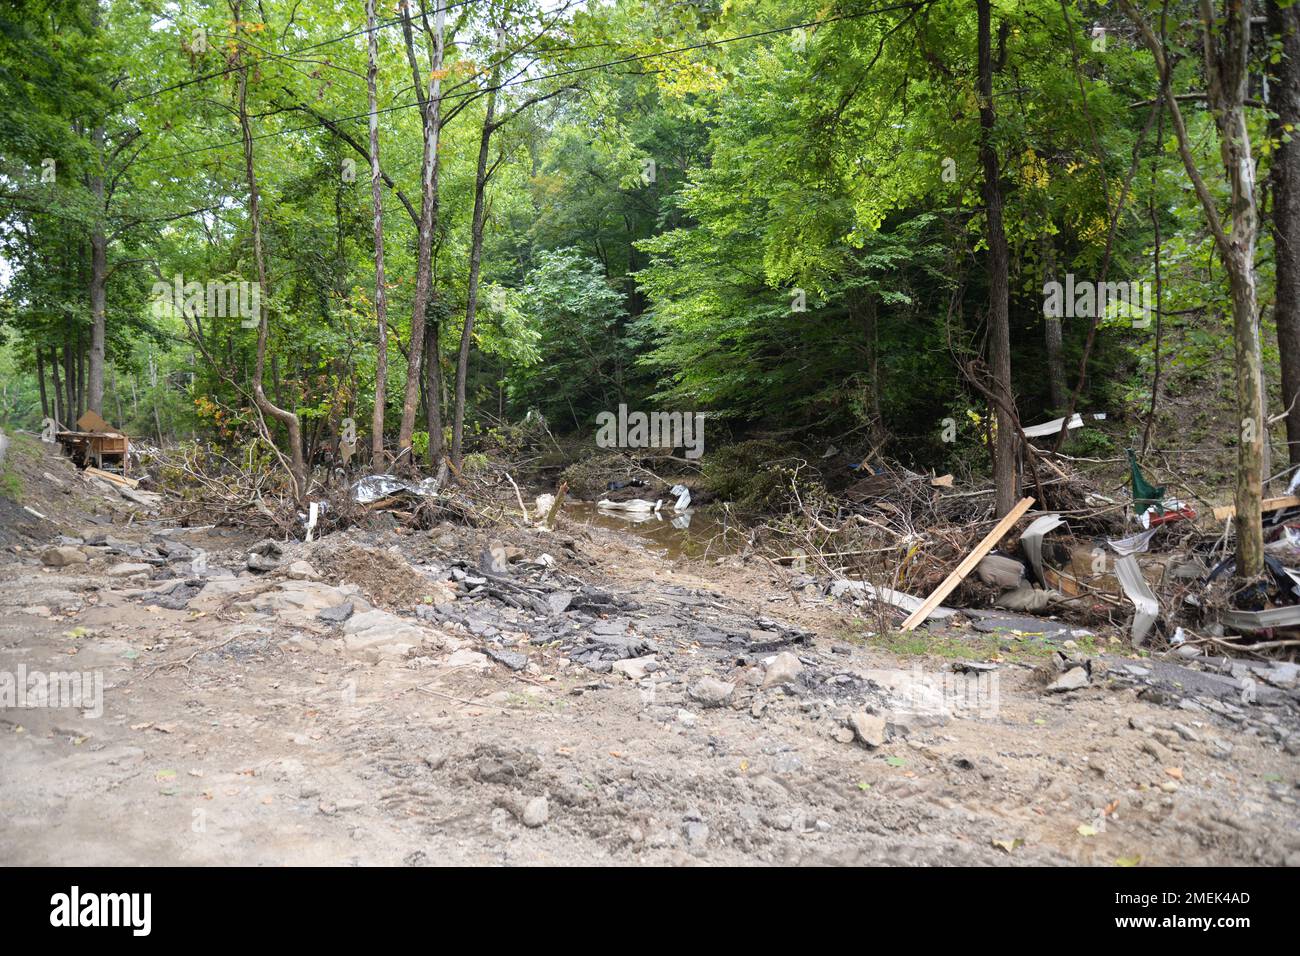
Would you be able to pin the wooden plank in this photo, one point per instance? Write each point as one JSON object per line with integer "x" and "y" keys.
{"x": 116, "y": 479}
{"x": 1268, "y": 504}
{"x": 967, "y": 564}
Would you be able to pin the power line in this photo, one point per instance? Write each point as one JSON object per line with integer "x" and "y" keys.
{"x": 288, "y": 54}
{"x": 634, "y": 58}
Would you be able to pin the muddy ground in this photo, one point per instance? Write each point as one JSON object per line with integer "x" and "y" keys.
{"x": 510, "y": 696}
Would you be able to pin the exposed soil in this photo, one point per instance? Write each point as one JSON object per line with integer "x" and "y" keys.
{"x": 241, "y": 726}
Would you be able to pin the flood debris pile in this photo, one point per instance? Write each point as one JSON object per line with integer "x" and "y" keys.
{"x": 913, "y": 548}
{"x": 202, "y": 485}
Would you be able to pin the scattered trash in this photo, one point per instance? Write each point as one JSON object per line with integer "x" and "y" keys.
{"x": 898, "y": 599}
{"x": 967, "y": 565}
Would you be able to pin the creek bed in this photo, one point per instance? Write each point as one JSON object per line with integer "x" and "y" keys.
{"x": 694, "y": 533}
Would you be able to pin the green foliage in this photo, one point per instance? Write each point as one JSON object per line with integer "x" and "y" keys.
{"x": 763, "y": 477}
{"x": 786, "y": 235}
{"x": 582, "y": 349}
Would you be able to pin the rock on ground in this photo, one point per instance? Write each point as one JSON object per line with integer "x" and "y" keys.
{"x": 784, "y": 669}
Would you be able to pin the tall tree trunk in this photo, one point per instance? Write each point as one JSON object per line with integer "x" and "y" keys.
{"x": 70, "y": 377}
{"x": 297, "y": 464}
{"x": 98, "y": 258}
{"x": 381, "y": 292}
{"x": 40, "y": 381}
{"x": 58, "y": 389}
{"x": 428, "y": 219}
{"x": 999, "y": 335}
{"x": 1227, "y": 52}
{"x": 117, "y": 395}
{"x": 1057, "y": 394}
{"x": 1284, "y": 176}
{"x": 1226, "y": 44}
{"x": 98, "y": 278}
{"x": 433, "y": 392}
{"x": 81, "y": 371}
{"x": 869, "y": 306}
{"x": 153, "y": 397}
{"x": 475, "y": 263}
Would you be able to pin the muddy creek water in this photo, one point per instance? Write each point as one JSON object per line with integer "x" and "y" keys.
{"x": 694, "y": 533}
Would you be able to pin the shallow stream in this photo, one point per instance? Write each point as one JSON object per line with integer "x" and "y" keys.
{"x": 694, "y": 533}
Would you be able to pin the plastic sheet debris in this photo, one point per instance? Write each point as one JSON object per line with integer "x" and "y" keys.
{"x": 310, "y": 519}
{"x": 1133, "y": 544}
{"x": 1047, "y": 429}
{"x": 1144, "y": 493}
{"x": 1146, "y": 607}
{"x": 1026, "y": 597}
{"x": 1031, "y": 539}
{"x": 1286, "y": 547}
{"x": 997, "y": 570}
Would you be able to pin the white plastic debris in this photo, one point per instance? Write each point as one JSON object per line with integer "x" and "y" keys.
{"x": 313, "y": 515}
{"x": 683, "y": 497}
{"x": 1054, "y": 426}
{"x": 634, "y": 505}
{"x": 1145, "y": 606}
{"x": 1133, "y": 544}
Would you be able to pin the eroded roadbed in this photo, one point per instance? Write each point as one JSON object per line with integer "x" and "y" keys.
{"x": 571, "y": 698}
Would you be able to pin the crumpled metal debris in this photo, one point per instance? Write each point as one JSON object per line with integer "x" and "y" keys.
{"x": 1031, "y": 539}
{"x": 373, "y": 487}
{"x": 1146, "y": 607}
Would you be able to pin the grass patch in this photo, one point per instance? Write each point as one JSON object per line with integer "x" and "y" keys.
{"x": 21, "y": 448}
{"x": 971, "y": 645}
